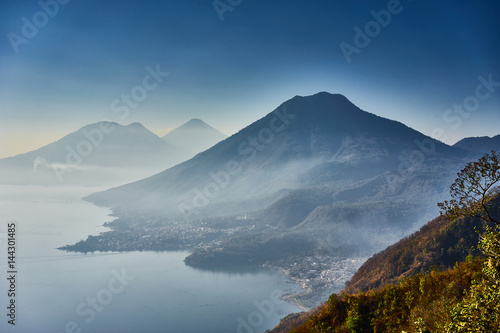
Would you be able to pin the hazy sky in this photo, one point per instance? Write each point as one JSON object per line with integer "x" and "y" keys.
{"x": 84, "y": 61}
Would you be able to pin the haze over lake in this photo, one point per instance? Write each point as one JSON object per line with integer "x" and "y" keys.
{"x": 185, "y": 166}
{"x": 133, "y": 292}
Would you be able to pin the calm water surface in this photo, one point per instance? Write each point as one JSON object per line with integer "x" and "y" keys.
{"x": 119, "y": 292}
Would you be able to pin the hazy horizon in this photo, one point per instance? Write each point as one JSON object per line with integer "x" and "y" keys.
{"x": 335, "y": 114}
{"x": 160, "y": 134}
{"x": 38, "y": 145}
{"x": 65, "y": 65}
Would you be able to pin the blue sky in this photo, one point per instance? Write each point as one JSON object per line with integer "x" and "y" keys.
{"x": 231, "y": 72}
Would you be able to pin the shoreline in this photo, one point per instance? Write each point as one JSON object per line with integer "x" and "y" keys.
{"x": 292, "y": 298}
{"x": 318, "y": 277}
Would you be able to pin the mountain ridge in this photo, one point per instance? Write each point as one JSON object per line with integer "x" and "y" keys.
{"x": 100, "y": 153}
{"x": 318, "y": 181}
{"x": 317, "y": 172}
{"x": 480, "y": 145}
{"x": 276, "y": 149}
{"x": 186, "y": 138}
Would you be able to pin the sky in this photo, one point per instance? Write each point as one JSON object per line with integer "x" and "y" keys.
{"x": 433, "y": 65}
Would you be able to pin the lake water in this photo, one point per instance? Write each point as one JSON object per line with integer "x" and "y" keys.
{"x": 119, "y": 292}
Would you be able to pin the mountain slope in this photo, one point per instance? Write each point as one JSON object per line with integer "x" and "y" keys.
{"x": 193, "y": 137}
{"x": 480, "y": 145}
{"x": 402, "y": 283}
{"x": 419, "y": 304}
{"x": 81, "y": 156}
{"x": 317, "y": 180}
{"x": 440, "y": 243}
{"x": 307, "y": 142}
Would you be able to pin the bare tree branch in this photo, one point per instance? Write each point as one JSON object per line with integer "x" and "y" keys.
{"x": 474, "y": 188}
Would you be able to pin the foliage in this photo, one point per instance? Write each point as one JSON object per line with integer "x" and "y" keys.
{"x": 479, "y": 311}
{"x": 418, "y": 304}
{"x": 472, "y": 190}
{"x": 440, "y": 243}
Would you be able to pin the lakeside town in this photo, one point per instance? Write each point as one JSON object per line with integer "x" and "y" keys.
{"x": 318, "y": 275}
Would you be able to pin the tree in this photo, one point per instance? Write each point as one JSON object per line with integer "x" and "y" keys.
{"x": 474, "y": 188}
{"x": 479, "y": 311}
{"x": 472, "y": 194}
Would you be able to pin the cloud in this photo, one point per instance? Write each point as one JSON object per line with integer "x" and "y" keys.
{"x": 39, "y": 161}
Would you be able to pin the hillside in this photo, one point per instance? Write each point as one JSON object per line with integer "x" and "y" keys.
{"x": 421, "y": 276}
{"x": 307, "y": 142}
{"x": 419, "y": 302}
{"x": 440, "y": 243}
{"x": 318, "y": 181}
{"x": 480, "y": 145}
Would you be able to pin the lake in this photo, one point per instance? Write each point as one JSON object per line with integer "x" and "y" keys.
{"x": 119, "y": 292}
